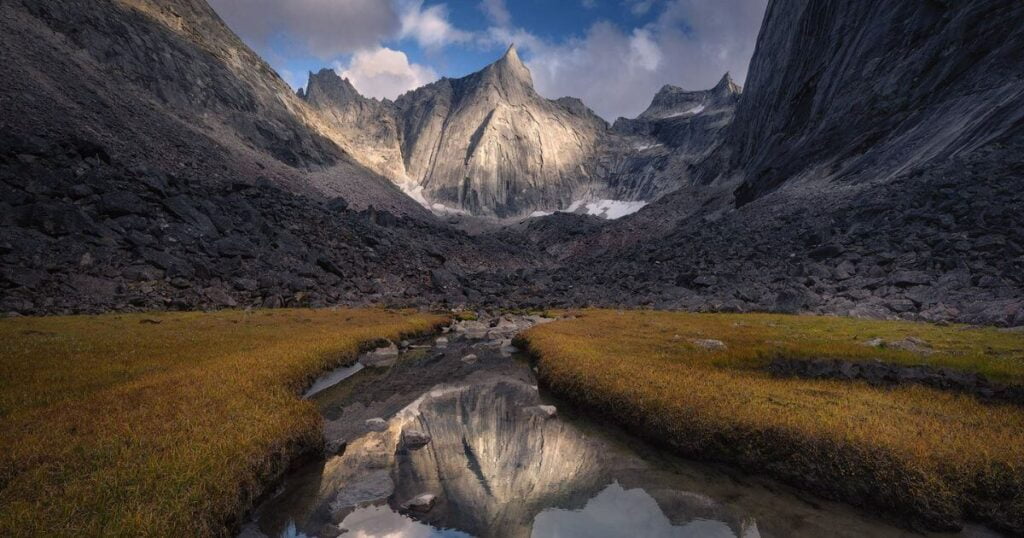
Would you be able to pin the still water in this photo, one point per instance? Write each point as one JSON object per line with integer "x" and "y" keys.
{"x": 504, "y": 460}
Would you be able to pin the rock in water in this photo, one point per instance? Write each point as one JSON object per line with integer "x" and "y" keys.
{"x": 420, "y": 503}
{"x": 414, "y": 439}
{"x": 376, "y": 424}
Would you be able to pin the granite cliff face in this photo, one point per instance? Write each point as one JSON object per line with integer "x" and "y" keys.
{"x": 868, "y": 91}
{"x": 875, "y": 167}
{"x": 149, "y": 160}
{"x": 368, "y": 128}
{"x": 488, "y": 144}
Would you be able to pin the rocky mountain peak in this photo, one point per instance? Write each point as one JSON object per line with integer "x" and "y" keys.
{"x": 327, "y": 88}
{"x": 510, "y": 71}
{"x": 727, "y": 86}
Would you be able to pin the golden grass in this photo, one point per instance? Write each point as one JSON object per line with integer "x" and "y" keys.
{"x": 114, "y": 426}
{"x": 914, "y": 451}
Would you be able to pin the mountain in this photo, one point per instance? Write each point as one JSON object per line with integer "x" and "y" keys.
{"x": 867, "y": 91}
{"x": 488, "y": 144}
{"x": 368, "y": 128}
{"x": 874, "y": 167}
{"x": 149, "y": 159}
{"x": 678, "y": 130}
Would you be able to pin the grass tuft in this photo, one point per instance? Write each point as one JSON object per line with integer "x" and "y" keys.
{"x": 162, "y": 424}
{"x": 935, "y": 457}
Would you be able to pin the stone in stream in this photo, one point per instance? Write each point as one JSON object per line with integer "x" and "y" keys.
{"x": 329, "y": 530}
{"x": 414, "y": 439}
{"x": 381, "y": 357}
{"x": 470, "y": 359}
{"x": 441, "y": 341}
{"x": 376, "y": 424}
{"x": 542, "y": 411}
{"x": 420, "y": 503}
{"x": 365, "y": 488}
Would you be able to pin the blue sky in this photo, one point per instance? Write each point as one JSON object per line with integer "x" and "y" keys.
{"x": 614, "y": 54}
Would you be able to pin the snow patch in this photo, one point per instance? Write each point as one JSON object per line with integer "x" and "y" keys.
{"x": 644, "y": 147}
{"x": 442, "y": 209}
{"x": 606, "y": 209}
{"x": 613, "y": 209}
{"x": 692, "y": 111}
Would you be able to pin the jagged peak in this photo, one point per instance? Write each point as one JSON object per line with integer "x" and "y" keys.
{"x": 510, "y": 66}
{"x": 727, "y": 85}
{"x": 327, "y": 83}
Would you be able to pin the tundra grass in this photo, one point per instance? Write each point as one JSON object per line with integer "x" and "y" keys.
{"x": 929, "y": 456}
{"x": 162, "y": 424}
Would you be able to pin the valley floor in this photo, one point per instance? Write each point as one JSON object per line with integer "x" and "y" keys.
{"x": 132, "y": 425}
{"x": 910, "y": 419}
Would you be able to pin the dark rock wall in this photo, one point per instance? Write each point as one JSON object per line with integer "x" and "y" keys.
{"x": 865, "y": 88}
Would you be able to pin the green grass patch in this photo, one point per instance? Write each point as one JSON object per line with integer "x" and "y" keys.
{"x": 935, "y": 457}
{"x": 158, "y": 424}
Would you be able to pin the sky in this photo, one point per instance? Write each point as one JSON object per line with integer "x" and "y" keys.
{"x": 612, "y": 54}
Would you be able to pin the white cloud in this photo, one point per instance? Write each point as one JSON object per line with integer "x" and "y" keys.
{"x": 589, "y": 4}
{"x": 643, "y": 51}
{"x": 616, "y": 72}
{"x": 640, "y": 7}
{"x": 325, "y": 28}
{"x": 429, "y": 27}
{"x": 496, "y": 11}
{"x": 385, "y": 73}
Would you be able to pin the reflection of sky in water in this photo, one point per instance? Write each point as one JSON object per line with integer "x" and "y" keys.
{"x": 382, "y": 522}
{"x": 617, "y": 512}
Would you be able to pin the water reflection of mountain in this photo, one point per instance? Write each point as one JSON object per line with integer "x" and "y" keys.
{"x": 495, "y": 463}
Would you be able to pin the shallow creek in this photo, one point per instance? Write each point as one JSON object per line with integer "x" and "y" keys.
{"x": 450, "y": 437}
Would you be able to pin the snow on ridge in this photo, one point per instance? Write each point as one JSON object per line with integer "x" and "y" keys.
{"x": 606, "y": 209}
{"x": 692, "y": 111}
{"x": 614, "y": 209}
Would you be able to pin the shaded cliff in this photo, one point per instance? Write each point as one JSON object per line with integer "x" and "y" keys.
{"x": 869, "y": 90}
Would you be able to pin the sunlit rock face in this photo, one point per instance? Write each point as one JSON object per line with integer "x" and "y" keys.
{"x": 366, "y": 128}
{"x": 489, "y": 144}
{"x": 493, "y": 463}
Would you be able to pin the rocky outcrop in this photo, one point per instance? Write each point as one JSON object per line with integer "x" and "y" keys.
{"x": 369, "y": 127}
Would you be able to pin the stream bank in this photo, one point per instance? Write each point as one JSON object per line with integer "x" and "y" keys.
{"x": 449, "y": 436}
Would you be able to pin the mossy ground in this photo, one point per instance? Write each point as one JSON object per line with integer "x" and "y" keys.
{"x": 930, "y": 456}
{"x": 118, "y": 426}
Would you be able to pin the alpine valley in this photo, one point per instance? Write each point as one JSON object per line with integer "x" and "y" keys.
{"x": 872, "y": 166}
